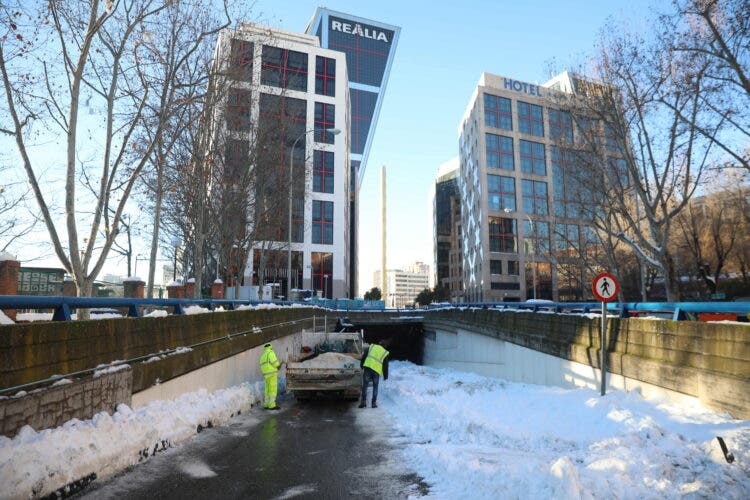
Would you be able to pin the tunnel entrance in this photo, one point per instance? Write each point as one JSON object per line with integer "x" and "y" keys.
{"x": 404, "y": 341}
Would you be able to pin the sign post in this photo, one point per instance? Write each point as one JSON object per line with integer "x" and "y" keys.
{"x": 605, "y": 288}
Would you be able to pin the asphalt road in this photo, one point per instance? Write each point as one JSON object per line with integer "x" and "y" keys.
{"x": 314, "y": 449}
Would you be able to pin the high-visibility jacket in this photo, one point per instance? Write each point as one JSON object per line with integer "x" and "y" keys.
{"x": 269, "y": 363}
{"x": 375, "y": 356}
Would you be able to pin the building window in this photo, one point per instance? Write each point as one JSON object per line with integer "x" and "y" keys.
{"x": 325, "y": 118}
{"x": 536, "y": 237}
{"x": 534, "y": 195}
{"x": 497, "y": 112}
{"x": 325, "y": 76}
{"x": 362, "y": 109}
{"x": 236, "y": 164}
{"x": 238, "y": 110}
{"x": 532, "y": 158}
{"x": 560, "y": 125}
{"x": 322, "y": 222}
{"x": 502, "y": 234}
{"x": 612, "y": 139}
{"x": 501, "y": 192}
{"x": 495, "y": 285}
{"x": 323, "y": 172}
{"x": 499, "y": 152}
{"x": 283, "y": 68}
{"x": 618, "y": 172}
{"x": 366, "y": 58}
{"x": 496, "y": 266}
{"x": 322, "y": 272}
{"x": 567, "y": 197}
{"x": 241, "y": 60}
{"x": 512, "y": 267}
{"x": 566, "y": 239}
{"x": 530, "y": 119}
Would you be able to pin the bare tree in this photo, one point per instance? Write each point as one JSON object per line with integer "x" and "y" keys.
{"x": 100, "y": 72}
{"x": 710, "y": 40}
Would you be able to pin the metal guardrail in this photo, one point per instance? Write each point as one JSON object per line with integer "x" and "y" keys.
{"x": 677, "y": 310}
{"x": 63, "y": 306}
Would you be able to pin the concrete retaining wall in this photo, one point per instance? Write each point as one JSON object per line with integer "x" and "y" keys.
{"x": 56, "y": 405}
{"x": 708, "y": 361}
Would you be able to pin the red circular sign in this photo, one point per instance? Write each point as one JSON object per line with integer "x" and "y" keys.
{"x": 605, "y": 287}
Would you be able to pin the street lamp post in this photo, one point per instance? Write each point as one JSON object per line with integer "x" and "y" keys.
{"x": 325, "y": 286}
{"x": 333, "y": 131}
{"x": 536, "y": 251}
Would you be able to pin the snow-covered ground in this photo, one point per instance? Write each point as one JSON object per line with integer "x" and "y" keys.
{"x": 476, "y": 437}
{"x": 468, "y": 436}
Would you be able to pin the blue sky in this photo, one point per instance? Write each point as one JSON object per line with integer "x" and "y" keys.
{"x": 443, "y": 49}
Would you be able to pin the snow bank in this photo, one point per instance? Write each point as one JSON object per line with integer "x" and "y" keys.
{"x": 39, "y": 463}
{"x": 478, "y": 437}
{"x": 4, "y": 320}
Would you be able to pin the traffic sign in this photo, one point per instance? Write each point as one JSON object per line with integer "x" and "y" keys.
{"x": 605, "y": 287}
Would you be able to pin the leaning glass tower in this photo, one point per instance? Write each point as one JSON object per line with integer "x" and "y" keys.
{"x": 369, "y": 47}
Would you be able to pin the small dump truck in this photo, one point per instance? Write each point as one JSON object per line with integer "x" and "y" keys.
{"x": 326, "y": 364}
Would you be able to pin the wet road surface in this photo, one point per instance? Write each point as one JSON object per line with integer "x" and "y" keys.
{"x": 312, "y": 449}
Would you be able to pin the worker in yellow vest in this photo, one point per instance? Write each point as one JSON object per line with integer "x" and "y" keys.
{"x": 269, "y": 366}
{"x": 375, "y": 363}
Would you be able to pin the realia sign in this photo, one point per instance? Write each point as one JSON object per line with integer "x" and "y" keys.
{"x": 524, "y": 87}
{"x": 361, "y": 30}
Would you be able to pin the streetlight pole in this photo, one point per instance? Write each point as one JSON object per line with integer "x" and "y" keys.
{"x": 536, "y": 250}
{"x": 333, "y": 131}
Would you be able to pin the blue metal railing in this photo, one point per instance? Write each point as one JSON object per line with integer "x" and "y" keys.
{"x": 63, "y": 306}
{"x": 677, "y": 310}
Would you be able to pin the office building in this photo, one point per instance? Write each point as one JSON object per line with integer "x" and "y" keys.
{"x": 446, "y": 209}
{"x": 404, "y": 284}
{"x": 286, "y": 96}
{"x": 523, "y": 216}
{"x": 369, "y": 47}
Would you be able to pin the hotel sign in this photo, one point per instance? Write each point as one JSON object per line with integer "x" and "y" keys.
{"x": 360, "y": 30}
{"x": 523, "y": 87}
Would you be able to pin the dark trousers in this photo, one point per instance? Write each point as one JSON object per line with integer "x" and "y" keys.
{"x": 370, "y": 375}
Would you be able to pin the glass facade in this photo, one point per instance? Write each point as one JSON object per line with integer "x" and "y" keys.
{"x": 322, "y": 222}
{"x": 241, "y": 63}
{"x": 502, "y": 233}
{"x": 325, "y": 76}
{"x": 532, "y": 158}
{"x": 560, "y": 125}
{"x": 322, "y": 272}
{"x": 501, "y": 192}
{"x": 497, "y": 112}
{"x": 323, "y": 172}
{"x": 366, "y": 48}
{"x": 363, "y": 108}
{"x": 238, "y": 110}
{"x": 536, "y": 236}
{"x": 534, "y": 194}
{"x": 283, "y": 68}
{"x": 499, "y": 152}
{"x": 530, "y": 119}
{"x": 325, "y": 118}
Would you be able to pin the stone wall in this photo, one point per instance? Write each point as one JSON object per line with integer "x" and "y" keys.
{"x": 34, "y": 351}
{"x": 56, "y": 405}
{"x": 710, "y": 361}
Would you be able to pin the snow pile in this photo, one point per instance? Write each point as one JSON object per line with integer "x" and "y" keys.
{"x": 494, "y": 439}
{"x": 330, "y": 360}
{"x": 33, "y": 317}
{"x": 132, "y": 278}
{"x": 156, "y": 313}
{"x": 167, "y": 352}
{"x": 38, "y": 463}
{"x": 196, "y": 310}
{"x": 4, "y": 320}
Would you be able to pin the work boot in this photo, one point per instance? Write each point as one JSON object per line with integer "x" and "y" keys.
{"x": 362, "y": 404}
{"x": 275, "y": 408}
{"x": 374, "y": 404}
